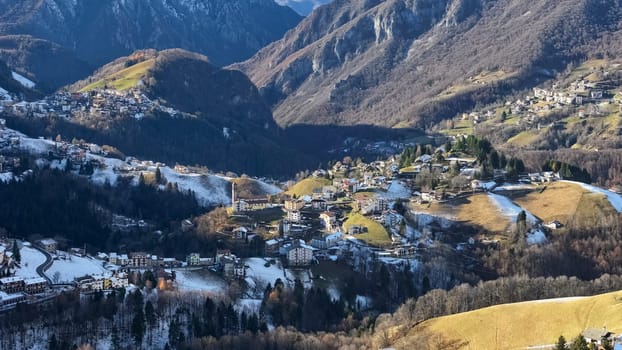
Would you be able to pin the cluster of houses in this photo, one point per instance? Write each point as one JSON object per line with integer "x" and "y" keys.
{"x": 582, "y": 95}
{"x": 95, "y": 103}
{"x": 98, "y": 283}
{"x": 18, "y": 289}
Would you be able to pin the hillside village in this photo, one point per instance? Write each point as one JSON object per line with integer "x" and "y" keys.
{"x": 579, "y": 110}
{"x": 353, "y": 213}
{"x": 418, "y": 208}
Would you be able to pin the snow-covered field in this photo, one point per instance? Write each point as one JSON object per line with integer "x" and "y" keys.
{"x": 248, "y": 305}
{"x": 74, "y": 266}
{"x": 614, "y": 198}
{"x": 209, "y": 189}
{"x": 36, "y": 146}
{"x": 396, "y": 190}
{"x": 31, "y": 259}
{"x": 199, "y": 281}
{"x": 23, "y": 80}
{"x": 510, "y": 209}
{"x": 262, "y": 275}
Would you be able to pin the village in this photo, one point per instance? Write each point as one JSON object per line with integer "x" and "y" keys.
{"x": 353, "y": 214}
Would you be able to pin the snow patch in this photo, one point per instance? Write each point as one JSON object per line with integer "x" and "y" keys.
{"x": 614, "y": 198}
{"x": 36, "y": 146}
{"x": 397, "y": 190}
{"x": 6, "y": 177}
{"x": 536, "y": 237}
{"x": 199, "y": 281}
{"x": 209, "y": 189}
{"x": 262, "y": 275}
{"x": 23, "y": 80}
{"x": 509, "y": 209}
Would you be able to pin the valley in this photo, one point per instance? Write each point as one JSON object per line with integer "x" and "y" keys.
{"x": 302, "y": 174}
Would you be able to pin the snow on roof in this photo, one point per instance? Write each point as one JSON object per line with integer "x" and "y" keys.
{"x": 6, "y": 280}
{"x": 2, "y": 249}
{"x": 48, "y": 241}
{"x": 35, "y": 281}
{"x": 272, "y": 241}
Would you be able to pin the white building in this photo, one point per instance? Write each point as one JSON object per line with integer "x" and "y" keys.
{"x": 299, "y": 254}
{"x": 294, "y": 216}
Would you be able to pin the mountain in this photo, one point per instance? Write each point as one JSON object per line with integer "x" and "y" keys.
{"x": 40, "y": 60}
{"x": 401, "y": 63}
{"x": 199, "y": 114}
{"x": 303, "y": 7}
{"x": 99, "y": 31}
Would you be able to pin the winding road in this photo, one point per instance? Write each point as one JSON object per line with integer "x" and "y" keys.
{"x": 46, "y": 265}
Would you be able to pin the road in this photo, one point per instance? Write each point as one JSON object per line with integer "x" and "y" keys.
{"x": 46, "y": 265}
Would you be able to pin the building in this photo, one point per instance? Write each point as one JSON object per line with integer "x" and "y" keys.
{"x": 327, "y": 241}
{"x": 272, "y": 247}
{"x": 49, "y": 245}
{"x": 298, "y": 254}
{"x": 139, "y": 259}
{"x": 329, "y": 220}
{"x": 294, "y": 216}
{"x": 120, "y": 280}
{"x": 35, "y": 285}
{"x": 319, "y": 204}
{"x": 2, "y": 250}
{"x": 193, "y": 259}
{"x": 11, "y": 285}
{"x": 10, "y": 299}
{"x": 90, "y": 284}
{"x": 597, "y": 335}
{"x": 294, "y": 204}
{"x": 240, "y": 233}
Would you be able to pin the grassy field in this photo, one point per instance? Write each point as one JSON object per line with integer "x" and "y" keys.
{"x": 524, "y": 138}
{"x": 481, "y": 211}
{"x": 306, "y": 186}
{"x": 527, "y": 324}
{"x": 376, "y": 234}
{"x": 123, "y": 79}
{"x": 477, "y": 210}
{"x": 563, "y": 201}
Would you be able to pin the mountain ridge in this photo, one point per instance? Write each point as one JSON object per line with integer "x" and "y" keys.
{"x": 355, "y": 62}
{"x": 227, "y": 31}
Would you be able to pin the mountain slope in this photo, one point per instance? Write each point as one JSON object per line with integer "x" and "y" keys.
{"x": 9, "y": 83}
{"x": 303, "y": 7}
{"x": 401, "y": 62}
{"x": 98, "y": 31}
{"x": 42, "y": 61}
{"x": 503, "y": 326}
{"x": 225, "y": 125}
